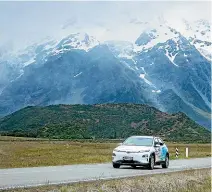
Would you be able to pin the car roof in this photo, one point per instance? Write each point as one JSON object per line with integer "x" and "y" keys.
{"x": 143, "y": 136}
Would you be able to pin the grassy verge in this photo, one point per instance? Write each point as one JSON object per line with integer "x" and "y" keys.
{"x": 31, "y": 153}
{"x": 185, "y": 181}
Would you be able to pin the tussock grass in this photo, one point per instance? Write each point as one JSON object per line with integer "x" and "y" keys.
{"x": 32, "y": 153}
{"x": 185, "y": 181}
{"x": 195, "y": 150}
{"x": 44, "y": 153}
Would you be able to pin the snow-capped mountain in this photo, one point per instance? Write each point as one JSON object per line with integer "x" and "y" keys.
{"x": 200, "y": 30}
{"x": 40, "y": 52}
{"x": 75, "y": 41}
{"x": 49, "y": 46}
{"x": 199, "y": 34}
{"x": 165, "y": 67}
{"x": 159, "y": 34}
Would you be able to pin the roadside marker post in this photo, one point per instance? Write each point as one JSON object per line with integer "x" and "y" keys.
{"x": 186, "y": 152}
{"x": 177, "y": 153}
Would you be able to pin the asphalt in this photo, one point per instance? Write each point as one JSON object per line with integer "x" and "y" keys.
{"x": 37, "y": 176}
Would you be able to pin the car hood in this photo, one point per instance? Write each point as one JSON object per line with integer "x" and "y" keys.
{"x": 126, "y": 148}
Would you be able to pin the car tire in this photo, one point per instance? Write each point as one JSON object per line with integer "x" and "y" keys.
{"x": 133, "y": 166}
{"x": 151, "y": 162}
{"x": 166, "y": 162}
{"x": 116, "y": 166}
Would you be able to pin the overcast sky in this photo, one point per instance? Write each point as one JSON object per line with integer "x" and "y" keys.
{"x": 21, "y": 22}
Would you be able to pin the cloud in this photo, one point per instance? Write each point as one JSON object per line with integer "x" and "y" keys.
{"x": 24, "y": 22}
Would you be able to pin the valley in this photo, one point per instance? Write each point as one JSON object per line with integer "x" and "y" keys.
{"x": 28, "y": 152}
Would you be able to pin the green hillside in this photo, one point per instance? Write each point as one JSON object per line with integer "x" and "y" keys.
{"x": 101, "y": 121}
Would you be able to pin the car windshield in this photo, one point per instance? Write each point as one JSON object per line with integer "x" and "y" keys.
{"x": 138, "y": 141}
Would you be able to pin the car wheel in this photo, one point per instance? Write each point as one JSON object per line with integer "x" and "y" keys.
{"x": 133, "y": 166}
{"x": 151, "y": 162}
{"x": 115, "y": 165}
{"x": 166, "y": 162}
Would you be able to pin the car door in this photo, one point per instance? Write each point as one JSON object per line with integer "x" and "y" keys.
{"x": 157, "y": 150}
{"x": 163, "y": 149}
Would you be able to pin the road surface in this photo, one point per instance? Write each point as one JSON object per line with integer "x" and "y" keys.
{"x": 36, "y": 176}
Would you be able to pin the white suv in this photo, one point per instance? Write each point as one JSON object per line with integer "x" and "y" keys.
{"x": 141, "y": 151}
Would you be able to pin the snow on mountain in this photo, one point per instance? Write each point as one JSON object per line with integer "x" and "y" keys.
{"x": 161, "y": 68}
{"x": 28, "y": 55}
{"x": 154, "y": 32}
{"x": 39, "y": 52}
{"x": 200, "y": 29}
{"x": 145, "y": 79}
{"x": 14, "y": 62}
{"x": 75, "y": 41}
{"x": 199, "y": 34}
{"x": 151, "y": 37}
{"x": 122, "y": 49}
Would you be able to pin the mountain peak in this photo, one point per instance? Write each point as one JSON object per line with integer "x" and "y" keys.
{"x": 152, "y": 36}
{"x": 76, "y": 41}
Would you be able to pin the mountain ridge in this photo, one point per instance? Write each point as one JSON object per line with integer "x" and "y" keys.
{"x": 101, "y": 121}
{"x": 63, "y": 72}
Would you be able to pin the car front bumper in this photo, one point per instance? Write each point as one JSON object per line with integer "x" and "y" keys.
{"x": 137, "y": 158}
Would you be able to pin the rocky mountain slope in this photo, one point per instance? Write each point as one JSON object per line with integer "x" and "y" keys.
{"x": 165, "y": 68}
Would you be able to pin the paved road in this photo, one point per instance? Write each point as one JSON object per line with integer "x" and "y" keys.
{"x": 22, "y": 177}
